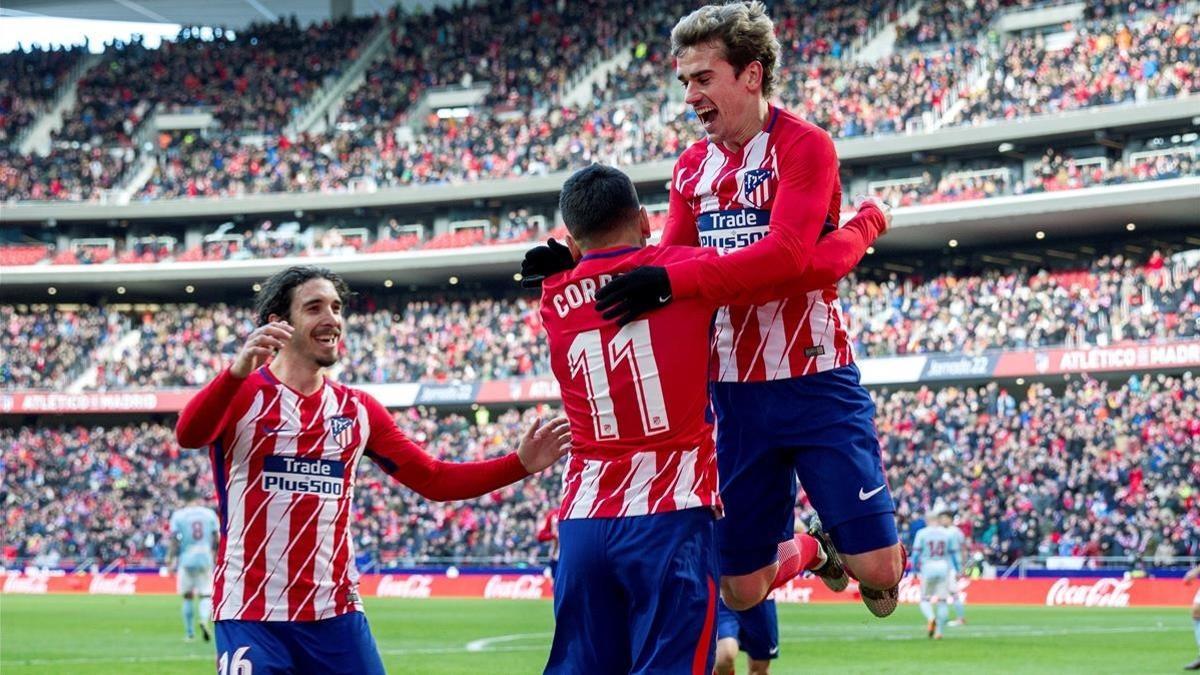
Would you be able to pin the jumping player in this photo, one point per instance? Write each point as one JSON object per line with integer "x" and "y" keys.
{"x": 285, "y": 444}
{"x": 761, "y": 188}
{"x": 635, "y": 590}
{"x": 193, "y": 539}
{"x": 937, "y": 559}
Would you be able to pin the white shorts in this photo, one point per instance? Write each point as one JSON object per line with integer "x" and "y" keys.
{"x": 195, "y": 581}
{"x": 1196, "y": 598}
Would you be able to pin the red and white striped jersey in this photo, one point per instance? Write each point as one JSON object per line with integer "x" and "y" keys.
{"x": 727, "y": 201}
{"x": 284, "y": 466}
{"x": 636, "y": 396}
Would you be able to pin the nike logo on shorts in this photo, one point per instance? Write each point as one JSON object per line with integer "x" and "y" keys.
{"x": 864, "y": 496}
{"x": 664, "y": 299}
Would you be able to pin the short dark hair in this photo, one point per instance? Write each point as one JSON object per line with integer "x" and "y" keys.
{"x": 275, "y": 296}
{"x": 596, "y": 200}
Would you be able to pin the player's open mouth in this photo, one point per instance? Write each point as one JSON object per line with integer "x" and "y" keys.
{"x": 707, "y": 115}
{"x": 328, "y": 340}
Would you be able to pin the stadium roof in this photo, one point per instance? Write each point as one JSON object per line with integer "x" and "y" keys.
{"x": 225, "y": 13}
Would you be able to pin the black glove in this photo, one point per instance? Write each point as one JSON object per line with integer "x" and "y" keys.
{"x": 633, "y": 294}
{"x": 542, "y": 261}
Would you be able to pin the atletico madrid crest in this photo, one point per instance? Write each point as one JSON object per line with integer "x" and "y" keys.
{"x": 342, "y": 430}
{"x": 756, "y": 187}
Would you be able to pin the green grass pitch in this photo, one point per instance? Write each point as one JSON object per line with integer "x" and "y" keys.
{"x": 142, "y": 634}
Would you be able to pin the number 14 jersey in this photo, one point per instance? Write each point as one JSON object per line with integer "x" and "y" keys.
{"x": 636, "y": 396}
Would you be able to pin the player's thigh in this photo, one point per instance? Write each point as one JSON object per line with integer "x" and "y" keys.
{"x": 840, "y": 466}
{"x": 187, "y": 583}
{"x": 934, "y": 587}
{"x": 758, "y": 487}
{"x": 251, "y": 647}
{"x": 667, "y": 564}
{"x": 342, "y": 645}
{"x": 591, "y": 610}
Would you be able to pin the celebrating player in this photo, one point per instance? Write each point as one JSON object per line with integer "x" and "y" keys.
{"x": 938, "y": 558}
{"x": 640, "y": 486}
{"x": 285, "y": 443}
{"x": 754, "y": 631}
{"x": 785, "y": 387}
{"x": 193, "y": 540}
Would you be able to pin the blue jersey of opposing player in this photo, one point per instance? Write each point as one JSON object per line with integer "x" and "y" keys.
{"x": 937, "y": 550}
{"x": 195, "y": 528}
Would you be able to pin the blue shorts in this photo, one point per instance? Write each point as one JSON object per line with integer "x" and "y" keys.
{"x": 819, "y": 428}
{"x": 342, "y": 644}
{"x": 756, "y": 629}
{"x": 636, "y": 595}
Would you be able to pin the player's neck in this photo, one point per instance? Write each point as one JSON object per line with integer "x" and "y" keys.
{"x": 297, "y": 373}
{"x": 631, "y": 239}
{"x": 751, "y": 128}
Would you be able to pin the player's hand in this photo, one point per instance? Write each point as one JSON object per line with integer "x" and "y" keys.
{"x": 263, "y": 343}
{"x": 860, "y": 201}
{"x": 634, "y": 293}
{"x": 542, "y": 261}
{"x": 544, "y": 444}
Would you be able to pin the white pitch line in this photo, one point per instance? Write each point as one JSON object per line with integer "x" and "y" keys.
{"x": 486, "y": 643}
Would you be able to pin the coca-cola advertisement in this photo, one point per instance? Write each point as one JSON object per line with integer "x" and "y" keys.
{"x": 1061, "y": 592}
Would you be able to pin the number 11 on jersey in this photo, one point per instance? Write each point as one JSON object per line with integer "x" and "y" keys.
{"x": 631, "y": 344}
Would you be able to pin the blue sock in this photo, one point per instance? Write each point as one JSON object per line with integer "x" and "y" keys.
{"x": 927, "y": 610}
{"x": 943, "y": 612}
{"x": 959, "y": 608}
{"x": 1196, "y": 627}
{"x": 189, "y": 617}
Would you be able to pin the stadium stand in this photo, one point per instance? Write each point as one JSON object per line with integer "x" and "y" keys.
{"x": 29, "y": 81}
{"x": 524, "y": 127}
{"x": 1032, "y": 472}
{"x": 393, "y": 338}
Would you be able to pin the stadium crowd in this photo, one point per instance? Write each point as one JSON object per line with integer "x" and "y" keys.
{"x": 1091, "y": 468}
{"x": 524, "y": 126}
{"x": 464, "y": 337}
{"x": 29, "y": 81}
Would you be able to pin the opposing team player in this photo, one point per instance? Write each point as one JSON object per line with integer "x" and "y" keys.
{"x": 194, "y": 531}
{"x": 754, "y": 631}
{"x": 635, "y": 589}
{"x": 761, "y": 189}
{"x": 937, "y": 559}
{"x": 957, "y": 595}
{"x": 285, "y": 443}
{"x": 1188, "y": 579}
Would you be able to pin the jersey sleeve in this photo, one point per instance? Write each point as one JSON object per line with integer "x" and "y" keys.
{"x": 808, "y": 174}
{"x": 206, "y": 414}
{"x": 434, "y": 479}
{"x": 681, "y": 228}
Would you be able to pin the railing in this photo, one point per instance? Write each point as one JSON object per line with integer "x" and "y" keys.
{"x": 1152, "y": 565}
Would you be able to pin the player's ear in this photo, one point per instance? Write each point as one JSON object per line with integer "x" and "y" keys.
{"x": 574, "y": 246}
{"x": 754, "y": 75}
{"x": 644, "y": 222}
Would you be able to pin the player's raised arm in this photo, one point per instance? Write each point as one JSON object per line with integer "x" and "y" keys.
{"x": 442, "y": 481}
{"x": 791, "y": 256}
{"x": 205, "y": 415}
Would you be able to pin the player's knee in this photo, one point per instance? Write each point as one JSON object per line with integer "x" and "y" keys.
{"x": 726, "y": 656}
{"x": 742, "y": 593}
{"x": 1196, "y": 612}
{"x": 880, "y": 571}
{"x": 188, "y": 595}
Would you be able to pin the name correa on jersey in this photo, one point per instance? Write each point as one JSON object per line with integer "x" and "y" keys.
{"x": 733, "y": 229}
{"x": 307, "y": 476}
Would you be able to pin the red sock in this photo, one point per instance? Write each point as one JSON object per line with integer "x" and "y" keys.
{"x": 797, "y": 554}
